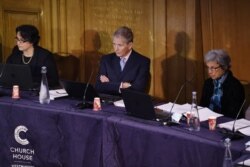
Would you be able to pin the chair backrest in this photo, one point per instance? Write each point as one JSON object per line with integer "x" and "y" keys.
{"x": 247, "y": 113}
{"x": 246, "y": 108}
{"x": 67, "y": 65}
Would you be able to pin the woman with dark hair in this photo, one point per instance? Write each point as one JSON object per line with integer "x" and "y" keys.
{"x": 28, "y": 52}
{"x": 222, "y": 92}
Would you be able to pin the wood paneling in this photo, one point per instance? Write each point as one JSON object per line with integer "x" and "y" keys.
{"x": 13, "y": 18}
{"x": 225, "y": 24}
{"x": 15, "y": 13}
{"x": 179, "y": 63}
{"x": 102, "y": 18}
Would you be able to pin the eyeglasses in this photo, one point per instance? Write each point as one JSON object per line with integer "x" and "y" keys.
{"x": 213, "y": 68}
{"x": 20, "y": 40}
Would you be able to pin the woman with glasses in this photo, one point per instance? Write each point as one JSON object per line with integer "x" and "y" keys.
{"x": 28, "y": 52}
{"x": 222, "y": 92}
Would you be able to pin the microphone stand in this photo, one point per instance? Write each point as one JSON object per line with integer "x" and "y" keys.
{"x": 168, "y": 121}
{"x": 234, "y": 135}
{"x": 1, "y": 74}
{"x": 85, "y": 104}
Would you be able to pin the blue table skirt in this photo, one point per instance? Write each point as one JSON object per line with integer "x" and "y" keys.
{"x": 61, "y": 135}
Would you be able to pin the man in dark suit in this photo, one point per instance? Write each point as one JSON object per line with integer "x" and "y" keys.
{"x": 125, "y": 68}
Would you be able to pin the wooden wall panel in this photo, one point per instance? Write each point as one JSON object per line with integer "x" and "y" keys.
{"x": 11, "y": 20}
{"x": 174, "y": 34}
{"x": 102, "y": 18}
{"x": 225, "y": 24}
{"x": 180, "y": 62}
{"x": 160, "y": 49}
{"x": 13, "y": 13}
{"x": 36, "y": 12}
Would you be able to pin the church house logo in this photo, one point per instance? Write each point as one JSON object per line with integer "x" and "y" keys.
{"x": 18, "y": 130}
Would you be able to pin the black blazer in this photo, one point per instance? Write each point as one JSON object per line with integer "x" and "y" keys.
{"x": 41, "y": 57}
{"x": 136, "y": 72}
{"x": 232, "y": 98}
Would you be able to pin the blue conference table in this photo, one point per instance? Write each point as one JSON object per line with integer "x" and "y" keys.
{"x": 60, "y": 135}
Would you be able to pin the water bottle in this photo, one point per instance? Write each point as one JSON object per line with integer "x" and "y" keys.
{"x": 228, "y": 156}
{"x": 44, "y": 89}
{"x": 194, "y": 120}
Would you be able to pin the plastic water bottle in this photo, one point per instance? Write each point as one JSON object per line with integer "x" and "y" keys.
{"x": 228, "y": 156}
{"x": 44, "y": 88}
{"x": 194, "y": 122}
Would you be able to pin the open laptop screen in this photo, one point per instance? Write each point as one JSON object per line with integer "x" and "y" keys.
{"x": 16, "y": 74}
{"x": 79, "y": 90}
{"x": 138, "y": 104}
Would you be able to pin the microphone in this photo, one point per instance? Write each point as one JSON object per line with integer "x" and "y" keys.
{"x": 233, "y": 135}
{"x": 233, "y": 129}
{"x": 169, "y": 121}
{"x": 2, "y": 72}
{"x": 86, "y": 104}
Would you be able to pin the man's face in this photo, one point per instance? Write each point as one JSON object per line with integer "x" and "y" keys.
{"x": 121, "y": 47}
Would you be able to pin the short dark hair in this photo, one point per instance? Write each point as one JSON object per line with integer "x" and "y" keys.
{"x": 124, "y": 32}
{"x": 29, "y": 33}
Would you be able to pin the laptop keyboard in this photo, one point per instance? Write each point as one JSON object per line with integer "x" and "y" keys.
{"x": 107, "y": 98}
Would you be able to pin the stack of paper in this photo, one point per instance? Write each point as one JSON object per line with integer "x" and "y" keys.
{"x": 204, "y": 113}
{"x": 245, "y": 162}
{"x": 241, "y": 125}
{"x": 57, "y": 93}
{"x": 119, "y": 103}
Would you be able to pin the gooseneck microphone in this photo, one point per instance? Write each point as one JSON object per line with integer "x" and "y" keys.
{"x": 169, "y": 120}
{"x": 86, "y": 104}
{"x": 233, "y": 135}
{"x": 2, "y": 72}
{"x": 233, "y": 129}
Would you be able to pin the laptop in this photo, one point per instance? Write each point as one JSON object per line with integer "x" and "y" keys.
{"x": 140, "y": 105}
{"x": 109, "y": 98}
{"x": 16, "y": 74}
{"x": 79, "y": 90}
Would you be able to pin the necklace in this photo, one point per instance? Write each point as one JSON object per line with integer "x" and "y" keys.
{"x": 24, "y": 62}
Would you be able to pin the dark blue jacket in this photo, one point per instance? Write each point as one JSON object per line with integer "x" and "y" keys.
{"x": 136, "y": 72}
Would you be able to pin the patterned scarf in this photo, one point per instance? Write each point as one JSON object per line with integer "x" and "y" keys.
{"x": 215, "y": 102}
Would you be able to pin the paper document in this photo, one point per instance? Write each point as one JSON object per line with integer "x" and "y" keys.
{"x": 241, "y": 125}
{"x": 245, "y": 163}
{"x": 177, "y": 108}
{"x": 57, "y": 93}
{"x": 119, "y": 103}
{"x": 204, "y": 112}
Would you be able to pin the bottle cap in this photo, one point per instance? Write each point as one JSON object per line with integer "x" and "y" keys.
{"x": 44, "y": 69}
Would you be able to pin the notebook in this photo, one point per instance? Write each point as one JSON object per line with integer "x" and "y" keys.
{"x": 16, "y": 74}
{"x": 140, "y": 105}
{"x": 79, "y": 90}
